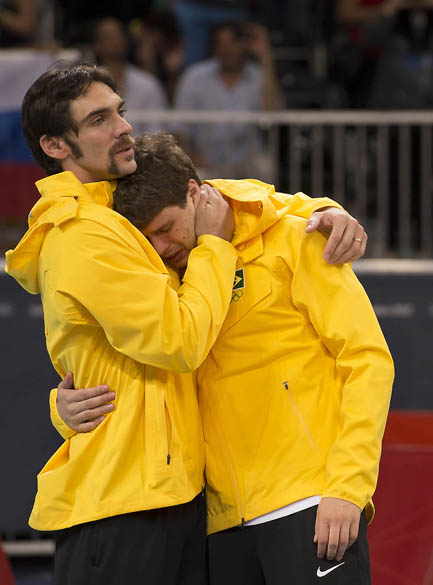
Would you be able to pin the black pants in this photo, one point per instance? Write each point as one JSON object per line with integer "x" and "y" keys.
{"x": 166, "y": 546}
{"x": 282, "y": 552}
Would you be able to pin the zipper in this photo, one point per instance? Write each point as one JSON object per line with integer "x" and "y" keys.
{"x": 168, "y": 433}
{"x": 299, "y": 415}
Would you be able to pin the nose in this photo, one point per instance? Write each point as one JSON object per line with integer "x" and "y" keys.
{"x": 160, "y": 244}
{"x": 123, "y": 126}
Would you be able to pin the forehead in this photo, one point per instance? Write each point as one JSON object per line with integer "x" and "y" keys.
{"x": 170, "y": 215}
{"x": 98, "y": 96}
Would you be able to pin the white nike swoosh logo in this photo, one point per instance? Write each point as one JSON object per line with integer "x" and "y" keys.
{"x": 323, "y": 573}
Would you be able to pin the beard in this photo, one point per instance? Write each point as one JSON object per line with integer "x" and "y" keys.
{"x": 113, "y": 167}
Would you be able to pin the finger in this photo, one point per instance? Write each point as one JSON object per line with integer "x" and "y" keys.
{"x": 86, "y": 393}
{"x": 364, "y": 244}
{"x": 356, "y": 250}
{"x": 68, "y": 381}
{"x": 97, "y": 401}
{"x": 334, "y": 239}
{"x": 91, "y": 405}
{"x": 343, "y": 541}
{"x": 353, "y": 533}
{"x": 204, "y": 195}
{"x": 333, "y": 540}
{"x": 346, "y": 249}
{"x": 86, "y": 427}
{"x": 213, "y": 196}
{"x": 91, "y": 414}
{"x": 316, "y": 528}
{"x": 206, "y": 191}
{"x": 322, "y": 538}
{"x": 313, "y": 222}
{"x": 346, "y": 243}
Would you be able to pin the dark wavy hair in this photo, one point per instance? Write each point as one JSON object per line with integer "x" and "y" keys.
{"x": 46, "y": 105}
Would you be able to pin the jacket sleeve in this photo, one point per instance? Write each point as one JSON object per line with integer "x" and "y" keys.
{"x": 58, "y": 423}
{"x": 131, "y": 298}
{"x": 336, "y": 305}
{"x": 302, "y": 205}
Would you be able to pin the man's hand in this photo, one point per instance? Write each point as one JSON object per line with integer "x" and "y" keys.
{"x": 337, "y": 526}
{"x": 214, "y": 215}
{"x": 348, "y": 239}
{"x": 83, "y": 410}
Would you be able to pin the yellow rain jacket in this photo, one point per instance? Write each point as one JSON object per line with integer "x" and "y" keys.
{"x": 109, "y": 309}
{"x": 113, "y": 315}
{"x": 295, "y": 392}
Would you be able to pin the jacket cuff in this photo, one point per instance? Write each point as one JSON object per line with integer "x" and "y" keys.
{"x": 324, "y": 202}
{"x": 58, "y": 423}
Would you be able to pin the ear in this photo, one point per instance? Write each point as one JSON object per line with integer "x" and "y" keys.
{"x": 54, "y": 147}
{"x": 193, "y": 192}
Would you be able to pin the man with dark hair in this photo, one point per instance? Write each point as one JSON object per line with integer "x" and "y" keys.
{"x": 293, "y": 395}
{"x": 47, "y": 113}
{"x": 241, "y": 76}
{"x": 112, "y": 313}
{"x": 125, "y": 500}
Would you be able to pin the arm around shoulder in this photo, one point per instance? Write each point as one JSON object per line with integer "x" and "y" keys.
{"x": 127, "y": 291}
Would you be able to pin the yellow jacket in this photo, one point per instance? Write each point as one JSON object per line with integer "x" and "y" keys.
{"x": 295, "y": 392}
{"x": 109, "y": 309}
{"x": 113, "y": 315}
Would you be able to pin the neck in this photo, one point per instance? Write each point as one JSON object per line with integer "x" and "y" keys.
{"x": 231, "y": 77}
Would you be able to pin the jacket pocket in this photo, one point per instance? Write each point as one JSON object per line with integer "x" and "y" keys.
{"x": 298, "y": 415}
{"x": 158, "y": 421}
{"x": 168, "y": 432}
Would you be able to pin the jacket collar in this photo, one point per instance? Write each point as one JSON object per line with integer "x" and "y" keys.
{"x": 254, "y": 212}
{"x": 66, "y": 184}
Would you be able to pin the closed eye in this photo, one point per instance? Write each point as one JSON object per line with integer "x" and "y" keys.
{"x": 163, "y": 230}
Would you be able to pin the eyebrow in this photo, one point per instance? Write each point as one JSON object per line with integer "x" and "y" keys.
{"x": 98, "y": 112}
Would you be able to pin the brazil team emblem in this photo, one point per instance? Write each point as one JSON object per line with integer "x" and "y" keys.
{"x": 238, "y": 285}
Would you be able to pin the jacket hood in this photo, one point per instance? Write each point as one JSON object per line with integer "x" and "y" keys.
{"x": 50, "y": 211}
{"x": 255, "y": 204}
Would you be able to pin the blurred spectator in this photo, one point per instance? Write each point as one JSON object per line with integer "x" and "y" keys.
{"x": 404, "y": 77}
{"x": 18, "y": 22}
{"x": 404, "y": 80}
{"x": 197, "y": 19}
{"x": 354, "y": 53}
{"x": 294, "y": 17}
{"x": 240, "y": 77}
{"x": 75, "y": 16}
{"x": 141, "y": 90}
{"x": 160, "y": 48}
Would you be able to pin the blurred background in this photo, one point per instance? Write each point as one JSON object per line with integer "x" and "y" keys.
{"x": 328, "y": 97}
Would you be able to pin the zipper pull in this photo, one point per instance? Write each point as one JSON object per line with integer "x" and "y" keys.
{"x": 286, "y": 386}
{"x": 168, "y": 458}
